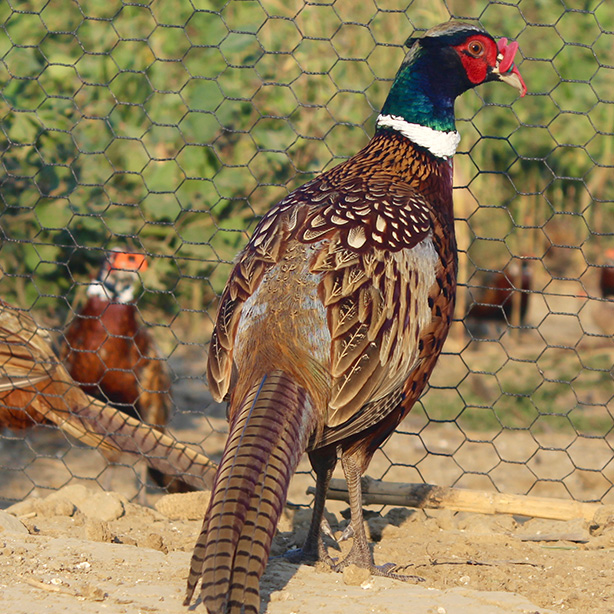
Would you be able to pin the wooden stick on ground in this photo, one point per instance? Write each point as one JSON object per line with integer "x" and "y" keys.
{"x": 427, "y": 496}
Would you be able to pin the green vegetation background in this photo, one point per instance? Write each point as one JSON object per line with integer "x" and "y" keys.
{"x": 171, "y": 126}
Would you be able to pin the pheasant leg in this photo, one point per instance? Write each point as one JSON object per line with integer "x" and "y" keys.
{"x": 360, "y": 554}
{"x": 313, "y": 548}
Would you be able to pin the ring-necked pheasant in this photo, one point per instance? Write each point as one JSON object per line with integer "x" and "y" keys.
{"x": 113, "y": 356}
{"x": 334, "y": 316}
{"x": 35, "y": 388}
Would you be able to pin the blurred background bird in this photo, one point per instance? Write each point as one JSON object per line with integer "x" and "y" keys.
{"x": 606, "y": 277}
{"x": 36, "y": 389}
{"x": 113, "y": 356}
{"x": 602, "y": 311}
{"x": 494, "y": 301}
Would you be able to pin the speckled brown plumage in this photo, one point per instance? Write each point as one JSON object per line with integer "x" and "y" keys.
{"x": 36, "y": 389}
{"x": 329, "y": 327}
{"x": 384, "y": 314}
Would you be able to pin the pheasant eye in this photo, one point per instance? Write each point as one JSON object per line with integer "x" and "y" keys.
{"x": 476, "y": 49}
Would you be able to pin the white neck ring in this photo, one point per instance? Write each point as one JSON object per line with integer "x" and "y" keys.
{"x": 440, "y": 144}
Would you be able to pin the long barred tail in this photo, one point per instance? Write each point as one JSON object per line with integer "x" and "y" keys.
{"x": 61, "y": 401}
{"x": 268, "y": 435}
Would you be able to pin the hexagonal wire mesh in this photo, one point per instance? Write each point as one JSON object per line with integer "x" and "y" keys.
{"x": 170, "y": 128}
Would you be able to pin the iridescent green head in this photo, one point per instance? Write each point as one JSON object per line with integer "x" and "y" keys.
{"x": 447, "y": 61}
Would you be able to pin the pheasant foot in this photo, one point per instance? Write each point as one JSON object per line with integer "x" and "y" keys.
{"x": 313, "y": 550}
{"x": 387, "y": 570}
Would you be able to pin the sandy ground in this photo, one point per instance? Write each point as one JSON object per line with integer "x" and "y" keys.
{"x": 81, "y": 550}
{"x": 69, "y": 546}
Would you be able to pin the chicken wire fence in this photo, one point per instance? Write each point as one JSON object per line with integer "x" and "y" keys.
{"x": 169, "y": 128}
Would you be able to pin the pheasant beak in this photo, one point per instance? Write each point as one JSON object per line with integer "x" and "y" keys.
{"x": 506, "y": 70}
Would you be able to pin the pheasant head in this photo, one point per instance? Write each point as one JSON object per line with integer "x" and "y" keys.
{"x": 118, "y": 276}
{"x": 447, "y": 61}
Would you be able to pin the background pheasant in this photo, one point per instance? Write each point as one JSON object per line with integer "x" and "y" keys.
{"x": 113, "y": 356}
{"x": 334, "y": 316}
{"x": 495, "y": 300}
{"x": 35, "y": 388}
{"x": 606, "y": 276}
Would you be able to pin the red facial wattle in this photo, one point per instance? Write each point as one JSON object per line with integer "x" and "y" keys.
{"x": 127, "y": 261}
{"x": 506, "y": 65}
{"x": 476, "y": 69}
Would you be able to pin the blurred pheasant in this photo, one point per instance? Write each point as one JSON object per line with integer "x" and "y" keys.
{"x": 112, "y": 356}
{"x": 495, "y": 301}
{"x": 334, "y": 316}
{"x": 35, "y": 388}
{"x": 606, "y": 277}
{"x": 602, "y": 312}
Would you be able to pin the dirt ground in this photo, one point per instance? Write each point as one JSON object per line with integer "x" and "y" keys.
{"x": 77, "y": 548}
{"x": 82, "y": 537}
{"x": 82, "y": 550}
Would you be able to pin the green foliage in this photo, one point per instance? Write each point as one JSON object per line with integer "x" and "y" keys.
{"x": 174, "y": 129}
{"x": 519, "y": 396}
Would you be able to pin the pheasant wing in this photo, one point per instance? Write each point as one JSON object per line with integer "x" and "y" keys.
{"x": 377, "y": 298}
